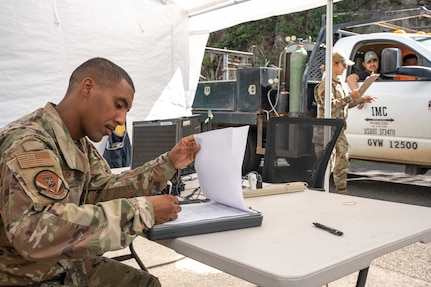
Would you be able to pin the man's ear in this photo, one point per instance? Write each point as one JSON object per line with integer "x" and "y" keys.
{"x": 87, "y": 86}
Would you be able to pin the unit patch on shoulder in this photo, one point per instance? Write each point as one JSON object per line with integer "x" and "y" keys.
{"x": 50, "y": 185}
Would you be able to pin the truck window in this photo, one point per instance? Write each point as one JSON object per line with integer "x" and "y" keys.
{"x": 358, "y": 68}
{"x": 378, "y": 47}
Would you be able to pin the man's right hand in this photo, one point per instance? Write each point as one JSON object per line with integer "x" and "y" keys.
{"x": 165, "y": 207}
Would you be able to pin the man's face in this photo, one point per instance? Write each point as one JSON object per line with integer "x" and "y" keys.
{"x": 411, "y": 62}
{"x": 107, "y": 108}
{"x": 371, "y": 66}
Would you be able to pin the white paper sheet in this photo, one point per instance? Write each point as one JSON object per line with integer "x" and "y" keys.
{"x": 218, "y": 164}
{"x": 208, "y": 210}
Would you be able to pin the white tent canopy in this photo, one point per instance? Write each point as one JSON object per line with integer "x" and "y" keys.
{"x": 214, "y": 15}
{"x": 160, "y": 43}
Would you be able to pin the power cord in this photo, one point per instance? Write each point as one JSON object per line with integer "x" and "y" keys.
{"x": 174, "y": 187}
{"x": 191, "y": 195}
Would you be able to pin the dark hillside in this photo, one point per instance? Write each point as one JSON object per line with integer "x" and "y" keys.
{"x": 266, "y": 37}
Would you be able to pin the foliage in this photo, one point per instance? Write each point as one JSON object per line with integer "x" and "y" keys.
{"x": 266, "y": 37}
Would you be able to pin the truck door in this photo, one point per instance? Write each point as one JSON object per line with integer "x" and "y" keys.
{"x": 396, "y": 127}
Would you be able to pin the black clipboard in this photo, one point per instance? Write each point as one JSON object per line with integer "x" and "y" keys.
{"x": 165, "y": 231}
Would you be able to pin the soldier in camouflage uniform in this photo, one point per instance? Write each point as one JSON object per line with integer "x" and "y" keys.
{"x": 61, "y": 207}
{"x": 341, "y": 101}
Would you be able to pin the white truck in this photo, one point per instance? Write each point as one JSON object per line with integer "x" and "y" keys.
{"x": 396, "y": 128}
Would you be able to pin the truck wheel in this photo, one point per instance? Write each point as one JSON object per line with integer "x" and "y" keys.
{"x": 251, "y": 159}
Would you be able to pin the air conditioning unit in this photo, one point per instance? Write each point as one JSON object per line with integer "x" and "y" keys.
{"x": 153, "y": 138}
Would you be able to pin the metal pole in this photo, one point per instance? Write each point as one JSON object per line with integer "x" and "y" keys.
{"x": 328, "y": 81}
{"x": 225, "y": 67}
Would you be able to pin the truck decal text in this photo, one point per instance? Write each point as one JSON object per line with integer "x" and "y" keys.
{"x": 393, "y": 144}
{"x": 370, "y": 131}
{"x": 403, "y": 144}
{"x": 386, "y": 132}
{"x": 379, "y": 111}
{"x": 375, "y": 142}
{"x": 380, "y": 132}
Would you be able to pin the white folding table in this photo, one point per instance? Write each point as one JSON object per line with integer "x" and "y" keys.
{"x": 288, "y": 250}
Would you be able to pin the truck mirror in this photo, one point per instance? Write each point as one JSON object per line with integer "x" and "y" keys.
{"x": 391, "y": 60}
{"x": 418, "y": 72}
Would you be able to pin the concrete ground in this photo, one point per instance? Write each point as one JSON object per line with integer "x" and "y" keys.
{"x": 410, "y": 266}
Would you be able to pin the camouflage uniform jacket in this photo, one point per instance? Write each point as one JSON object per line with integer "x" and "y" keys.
{"x": 60, "y": 202}
{"x": 341, "y": 100}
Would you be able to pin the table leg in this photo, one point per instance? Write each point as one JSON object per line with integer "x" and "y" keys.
{"x": 362, "y": 277}
{"x": 136, "y": 256}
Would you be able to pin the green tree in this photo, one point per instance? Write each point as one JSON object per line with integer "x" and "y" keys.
{"x": 266, "y": 37}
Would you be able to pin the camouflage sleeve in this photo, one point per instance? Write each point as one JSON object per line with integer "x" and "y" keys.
{"x": 40, "y": 215}
{"x": 40, "y": 227}
{"x": 356, "y": 102}
{"x": 338, "y": 102}
{"x": 319, "y": 93}
{"x": 148, "y": 179}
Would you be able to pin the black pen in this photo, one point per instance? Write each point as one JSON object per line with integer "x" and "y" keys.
{"x": 329, "y": 229}
{"x": 189, "y": 201}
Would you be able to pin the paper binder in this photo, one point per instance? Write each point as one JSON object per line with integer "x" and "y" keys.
{"x": 165, "y": 231}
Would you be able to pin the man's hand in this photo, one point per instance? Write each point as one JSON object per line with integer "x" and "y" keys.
{"x": 165, "y": 207}
{"x": 184, "y": 152}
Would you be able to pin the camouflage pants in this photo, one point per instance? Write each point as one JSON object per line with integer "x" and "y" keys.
{"x": 340, "y": 162}
{"x": 104, "y": 272}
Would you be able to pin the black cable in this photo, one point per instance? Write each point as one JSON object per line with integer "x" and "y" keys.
{"x": 193, "y": 193}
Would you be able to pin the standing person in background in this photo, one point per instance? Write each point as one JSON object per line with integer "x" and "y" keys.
{"x": 61, "y": 207}
{"x": 118, "y": 149}
{"x": 341, "y": 101}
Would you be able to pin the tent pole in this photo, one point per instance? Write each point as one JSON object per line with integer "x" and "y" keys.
{"x": 328, "y": 80}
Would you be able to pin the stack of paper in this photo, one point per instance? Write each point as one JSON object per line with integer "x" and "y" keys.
{"x": 218, "y": 166}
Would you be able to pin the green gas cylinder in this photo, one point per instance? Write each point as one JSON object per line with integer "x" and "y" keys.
{"x": 298, "y": 60}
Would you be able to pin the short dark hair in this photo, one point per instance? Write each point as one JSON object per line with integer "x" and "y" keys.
{"x": 102, "y": 71}
{"x": 409, "y": 56}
